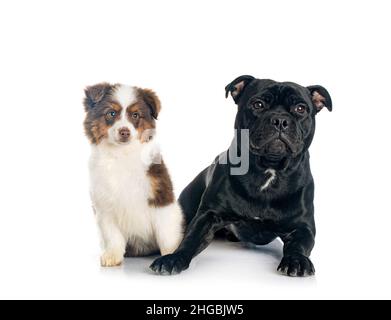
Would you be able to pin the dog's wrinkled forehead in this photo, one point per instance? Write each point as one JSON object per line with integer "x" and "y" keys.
{"x": 277, "y": 93}
{"x": 245, "y": 87}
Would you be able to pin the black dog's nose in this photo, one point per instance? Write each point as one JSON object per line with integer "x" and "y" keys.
{"x": 281, "y": 123}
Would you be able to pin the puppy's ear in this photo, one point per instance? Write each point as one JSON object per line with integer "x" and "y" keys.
{"x": 237, "y": 86}
{"x": 95, "y": 94}
{"x": 320, "y": 98}
{"x": 151, "y": 100}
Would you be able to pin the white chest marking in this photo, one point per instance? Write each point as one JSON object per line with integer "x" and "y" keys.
{"x": 269, "y": 181}
{"x": 120, "y": 188}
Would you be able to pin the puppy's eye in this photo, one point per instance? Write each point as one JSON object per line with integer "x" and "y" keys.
{"x": 258, "y": 105}
{"x": 135, "y": 115}
{"x": 300, "y": 109}
{"x": 111, "y": 114}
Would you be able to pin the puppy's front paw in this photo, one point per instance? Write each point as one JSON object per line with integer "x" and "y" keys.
{"x": 111, "y": 259}
{"x": 296, "y": 266}
{"x": 170, "y": 264}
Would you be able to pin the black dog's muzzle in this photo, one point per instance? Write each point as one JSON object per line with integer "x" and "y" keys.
{"x": 276, "y": 136}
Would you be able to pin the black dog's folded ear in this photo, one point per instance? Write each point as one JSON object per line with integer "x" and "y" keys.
{"x": 320, "y": 98}
{"x": 95, "y": 94}
{"x": 236, "y": 87}
{"x": 151, "y": 100}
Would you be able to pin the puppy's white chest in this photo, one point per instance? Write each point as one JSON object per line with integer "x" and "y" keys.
{"x": 122, "y": 177}
{"x": 120, "y": 187}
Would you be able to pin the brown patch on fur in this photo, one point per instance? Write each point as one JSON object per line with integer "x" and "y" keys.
{"x": 163, "y": 192}
{"x": 145, "y": 131}
{"x": 145, "y": 123}
{"x": 151, "y": 100}
{"x": 95, "y": 129}
{"x": 96, "y": 124}
{"x": 97, "y": 103}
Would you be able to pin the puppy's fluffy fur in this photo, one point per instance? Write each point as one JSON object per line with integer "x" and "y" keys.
{"x": 131, "y": 189}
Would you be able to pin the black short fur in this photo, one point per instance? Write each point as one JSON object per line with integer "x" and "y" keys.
{"x": 254, "y": 207}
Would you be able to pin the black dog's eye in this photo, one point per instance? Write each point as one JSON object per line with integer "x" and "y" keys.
{"x": 111, "y": 114}
{"x": 258, "y": 105}
{"x": 300, "y": 109}
{"x": 135, "y": 115}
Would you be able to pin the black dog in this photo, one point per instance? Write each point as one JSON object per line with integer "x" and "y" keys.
{"x": 275, "y": 197}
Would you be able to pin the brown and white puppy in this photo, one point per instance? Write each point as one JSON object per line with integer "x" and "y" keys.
{"x": 131, "y": 190}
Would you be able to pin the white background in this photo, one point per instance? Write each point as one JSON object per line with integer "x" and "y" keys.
{"x": 187, "y": 51}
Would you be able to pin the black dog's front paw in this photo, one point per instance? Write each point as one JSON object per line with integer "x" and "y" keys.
{"x": 296, "y": 266}
{"x": 170, "y": 264}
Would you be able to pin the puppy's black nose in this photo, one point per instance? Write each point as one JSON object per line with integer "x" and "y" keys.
{"x": 124, "y": 133}
{"x": 281, "y": 123}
